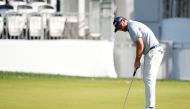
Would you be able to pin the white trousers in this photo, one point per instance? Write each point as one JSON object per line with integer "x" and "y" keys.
{"x": 152, "y": 61}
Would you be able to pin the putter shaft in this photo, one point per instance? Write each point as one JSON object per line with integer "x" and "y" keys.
{"x": 129, "y": 90}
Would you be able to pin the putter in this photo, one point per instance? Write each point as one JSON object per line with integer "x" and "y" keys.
{"x": 129, "y": 90}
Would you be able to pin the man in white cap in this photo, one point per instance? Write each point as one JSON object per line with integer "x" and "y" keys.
{"x": 147, "y": 45}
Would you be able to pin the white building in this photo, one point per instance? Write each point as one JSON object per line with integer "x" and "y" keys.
{"x": 169, "y": 20}
{"x": 92, "y": 19}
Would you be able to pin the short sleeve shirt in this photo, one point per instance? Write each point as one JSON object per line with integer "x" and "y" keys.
{"x": 140, "y": 30}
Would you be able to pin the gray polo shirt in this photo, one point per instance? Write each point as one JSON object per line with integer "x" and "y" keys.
{"x": 140, "y": 30}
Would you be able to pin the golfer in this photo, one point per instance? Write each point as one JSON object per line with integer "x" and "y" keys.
{"x": 147, "y": 45}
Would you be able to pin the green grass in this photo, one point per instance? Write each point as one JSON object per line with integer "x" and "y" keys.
{"x": 39, "y": 91}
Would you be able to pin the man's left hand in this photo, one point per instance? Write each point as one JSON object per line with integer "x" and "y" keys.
{"x": 137, "y": 64}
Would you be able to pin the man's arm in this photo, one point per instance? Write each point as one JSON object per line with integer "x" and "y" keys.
{"x": 139, "y": 52}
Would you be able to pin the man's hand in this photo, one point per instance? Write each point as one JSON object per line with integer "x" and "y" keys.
{"x": 137, "y": 65}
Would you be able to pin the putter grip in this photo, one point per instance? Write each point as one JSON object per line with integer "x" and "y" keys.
{"x": 134, "y": 73}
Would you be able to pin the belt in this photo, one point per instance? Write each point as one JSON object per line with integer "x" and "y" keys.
{"x": 153, "y": 47}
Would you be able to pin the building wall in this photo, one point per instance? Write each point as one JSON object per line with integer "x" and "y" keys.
{"x": 176, "y": 30}
{"x": 148, "y": 12}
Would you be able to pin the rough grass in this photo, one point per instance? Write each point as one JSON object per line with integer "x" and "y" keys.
{"x": 41, "y": 91}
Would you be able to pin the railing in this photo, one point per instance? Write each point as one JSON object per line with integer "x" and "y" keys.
{"x": 95, "y": 27}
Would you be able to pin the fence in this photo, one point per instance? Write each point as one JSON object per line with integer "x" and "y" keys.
{"x": 181, "y": 61}
{"x": 33, "y": 25}
{"x": 15, "y": 25}
{"x": 175, "y": 64}
{"x": 67, "y": 57}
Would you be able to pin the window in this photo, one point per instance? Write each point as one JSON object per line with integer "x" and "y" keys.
{"x": 176, "y": 8}
{"x": 70, "y": 6}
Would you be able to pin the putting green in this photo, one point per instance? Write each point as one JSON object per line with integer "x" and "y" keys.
{"x": 29, "y": 91}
